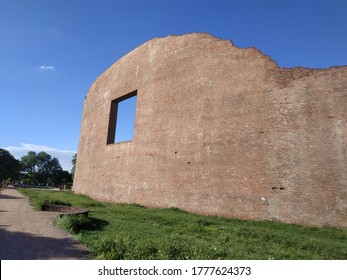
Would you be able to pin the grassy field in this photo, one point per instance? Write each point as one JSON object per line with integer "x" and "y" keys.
{"x": 118, "y": 231}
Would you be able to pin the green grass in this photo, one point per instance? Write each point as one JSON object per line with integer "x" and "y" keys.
{"x": 119, "y": 231}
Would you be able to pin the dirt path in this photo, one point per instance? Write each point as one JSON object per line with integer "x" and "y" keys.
{"x": 27, "y": 234}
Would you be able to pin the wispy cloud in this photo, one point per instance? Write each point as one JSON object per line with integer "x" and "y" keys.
{"x": 64, "y": 156}
{"x": 47, "y": 67}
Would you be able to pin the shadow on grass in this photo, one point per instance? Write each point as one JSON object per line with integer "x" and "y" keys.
{"x": 95, "y": 224}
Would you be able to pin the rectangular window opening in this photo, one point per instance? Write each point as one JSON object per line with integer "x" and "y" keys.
{"x": 122, "y": 119}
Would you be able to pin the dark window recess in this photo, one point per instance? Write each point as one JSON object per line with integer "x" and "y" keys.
{"x": 122, "y": 118}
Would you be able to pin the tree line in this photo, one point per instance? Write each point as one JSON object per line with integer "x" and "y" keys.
{"x": 33, "y": 169}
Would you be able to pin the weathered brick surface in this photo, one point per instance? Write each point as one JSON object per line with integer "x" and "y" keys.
{"x": 220, "y": 130}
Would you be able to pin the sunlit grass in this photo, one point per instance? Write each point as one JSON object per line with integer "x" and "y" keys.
{"x": 120, "y": 231}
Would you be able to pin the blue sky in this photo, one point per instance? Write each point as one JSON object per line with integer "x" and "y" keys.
{"x": 52, "y": 51}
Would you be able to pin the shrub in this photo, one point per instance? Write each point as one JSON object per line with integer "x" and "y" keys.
{"x": 73, "y": 224}
{"x": 112, "y": 248}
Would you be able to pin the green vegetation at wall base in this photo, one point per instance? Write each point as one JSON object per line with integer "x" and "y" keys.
{"x": 119, "y": 231}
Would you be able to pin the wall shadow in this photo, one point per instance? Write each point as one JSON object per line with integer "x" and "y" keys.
{"x": 6, "y": 196}
{"x": 25, "y": 246}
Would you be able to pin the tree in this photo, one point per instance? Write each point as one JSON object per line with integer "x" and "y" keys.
{"x": 29, "y": 162}
{"x": 73, "y": 161}
{"x": 46, "y": 164}
{"x": 43, "y": 163}
{"x": 42, "y": 168}
{"x": 61, "y": 177}
{"x": 9, "y": 166}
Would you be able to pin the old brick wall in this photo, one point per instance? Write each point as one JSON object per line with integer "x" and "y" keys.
{"x": 220, "y": 130}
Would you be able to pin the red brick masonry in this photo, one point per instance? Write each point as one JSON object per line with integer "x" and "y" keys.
{"x": 220, "y": 130}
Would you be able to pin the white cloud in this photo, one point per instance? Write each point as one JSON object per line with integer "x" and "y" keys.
{"x": 64, "y": 156}
{"x": 47, "y": 67}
